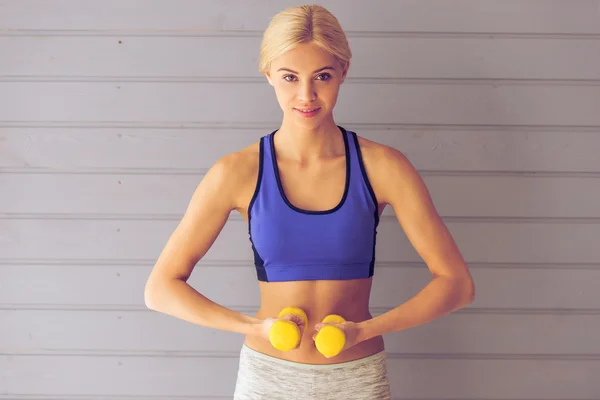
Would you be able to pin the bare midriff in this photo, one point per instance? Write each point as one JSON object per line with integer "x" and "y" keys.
{"x": 348, "y": 298}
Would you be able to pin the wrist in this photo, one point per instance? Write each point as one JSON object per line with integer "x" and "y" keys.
{"x": 252, "y": 326}
{"x": 365, "y": 330}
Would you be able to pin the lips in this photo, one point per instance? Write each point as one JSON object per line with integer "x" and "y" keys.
{"x": 307, "y": 110}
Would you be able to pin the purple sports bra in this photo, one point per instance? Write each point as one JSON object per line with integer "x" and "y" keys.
{"x": 292, "y": 244}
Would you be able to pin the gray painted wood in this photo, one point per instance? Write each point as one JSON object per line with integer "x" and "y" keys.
{"x": 526, "y": 197}
{"x": 111, "y": 112}
{"x": 195, "y": 147}
{"x": 191, "y": 17}
{"x": 240, "y": 102}
{"x": 113, "y": 237}
{"x": 143, "y": 332}
{"x": 414, "y": 57}
{"x": 35, "y": 285}
{"x": 107, "y": 375}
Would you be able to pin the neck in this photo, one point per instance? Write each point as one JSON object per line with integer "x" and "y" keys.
{"x": 308, "y": 143}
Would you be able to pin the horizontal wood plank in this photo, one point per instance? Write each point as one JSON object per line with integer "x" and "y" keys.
{"x": 239, "y": 102}
{"x": 110, "y": 239}
{"x": 158, "y": 334}
{"x": 236, "y": 286}
{"x": 376, "y": 57}
{"x": 54, "y": 149}
{"x": 184, "y": 376}
{"x": 169, "y": 194}
{"x": 193, "y": 16}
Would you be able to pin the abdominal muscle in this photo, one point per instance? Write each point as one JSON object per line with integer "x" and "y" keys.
{"x": 347, "y": 298}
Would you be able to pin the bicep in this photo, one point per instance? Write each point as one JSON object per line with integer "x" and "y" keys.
{"x": 414, "y": 208}
{"x": 203, "y": 220}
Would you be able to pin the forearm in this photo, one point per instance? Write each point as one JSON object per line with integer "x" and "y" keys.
{"x": 439, "y": 297}
{"x": 178, "y": 299}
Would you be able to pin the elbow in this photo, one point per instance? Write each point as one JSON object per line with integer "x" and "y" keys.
{"x": 469, "y": 291}
{"x": 464, "y": 291}
{"x": 158, "y": 292}
{"x": 464, "y": 294}
{"x": 469, "y": 298}
{"x": 149, "y": 295}
{"x": 152, "y": 293}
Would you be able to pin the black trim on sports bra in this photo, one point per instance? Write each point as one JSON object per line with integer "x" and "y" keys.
{"x": 259, "y": 263}
{"x": 280, "y": 186}
{"x": 373, "y": 197}
{"x": 364, "y": 175}
{"x": 261, "y": 157}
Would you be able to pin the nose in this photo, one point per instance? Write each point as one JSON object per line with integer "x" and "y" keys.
{"x": 306, "y": 91}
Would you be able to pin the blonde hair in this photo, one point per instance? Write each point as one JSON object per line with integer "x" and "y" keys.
{"x": 303, "y": 24}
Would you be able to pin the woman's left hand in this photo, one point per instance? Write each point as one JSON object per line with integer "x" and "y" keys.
{"x": 351, "y": 329}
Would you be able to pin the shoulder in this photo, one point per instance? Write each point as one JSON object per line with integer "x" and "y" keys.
{"x": 235, "y": 173}
{"x": 238, "y": 165}
{"x": 382, "y": 155}
{"x": 388, "y": 170}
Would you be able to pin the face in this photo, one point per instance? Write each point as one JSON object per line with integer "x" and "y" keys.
{"x": 307, "y": 78}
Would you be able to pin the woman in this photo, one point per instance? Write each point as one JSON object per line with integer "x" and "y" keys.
{"x": 312, "y": 193}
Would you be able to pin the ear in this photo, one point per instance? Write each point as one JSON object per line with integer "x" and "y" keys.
{"x": 269, "y": 79}
{"x": 345, "y": 71}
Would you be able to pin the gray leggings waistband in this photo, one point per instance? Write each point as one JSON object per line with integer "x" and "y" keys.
{"x": 261, "y": 376}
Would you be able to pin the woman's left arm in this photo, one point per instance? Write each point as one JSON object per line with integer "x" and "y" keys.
{"x": 399, "y": 184}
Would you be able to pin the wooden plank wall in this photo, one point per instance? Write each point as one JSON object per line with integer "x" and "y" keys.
{"x": 111, "y": 111}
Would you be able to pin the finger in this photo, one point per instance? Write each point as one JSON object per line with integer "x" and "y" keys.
{"x": 293, "y": 318}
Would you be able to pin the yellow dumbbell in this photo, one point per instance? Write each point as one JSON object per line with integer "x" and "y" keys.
{"x": 330, "y": 340}
{"x": 285, "y": 335}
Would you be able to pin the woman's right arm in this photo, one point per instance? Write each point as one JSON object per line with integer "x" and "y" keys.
{"x": 167, "y": 290}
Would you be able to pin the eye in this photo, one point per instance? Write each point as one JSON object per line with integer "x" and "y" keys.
{"x": 322, "y": 77}
{"x": 325, "y": 76}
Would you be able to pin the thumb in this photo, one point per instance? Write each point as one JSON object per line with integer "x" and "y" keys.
{"x": 293, "y": 318}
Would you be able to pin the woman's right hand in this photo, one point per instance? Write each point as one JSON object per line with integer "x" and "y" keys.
{"x": 264, "y": 328}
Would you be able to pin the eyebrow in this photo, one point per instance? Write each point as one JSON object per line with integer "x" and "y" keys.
{"x": 314, "y": 72}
